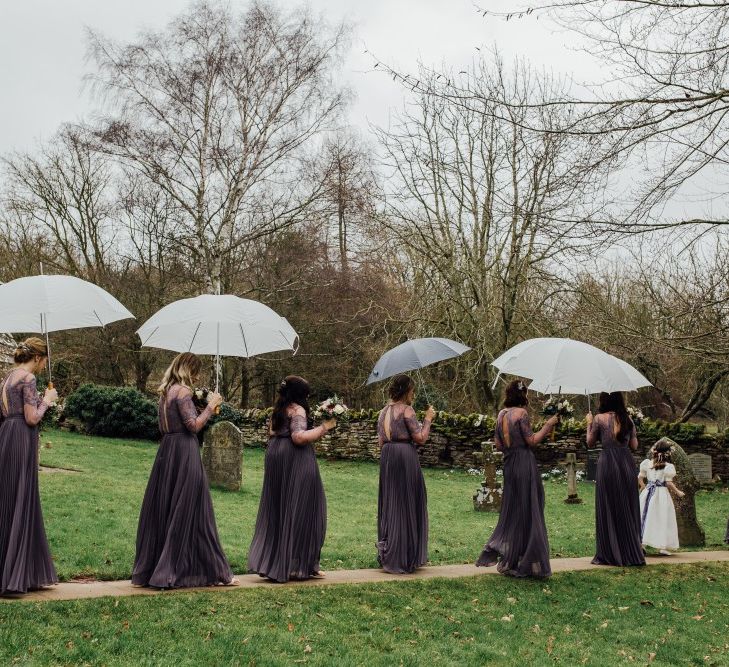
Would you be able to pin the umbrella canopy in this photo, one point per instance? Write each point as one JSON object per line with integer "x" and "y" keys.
{"x": 415, "y": 354}
{"x": 43, "y": 304}
{"x": 219, "y": 324}
{"x": 563, "y": 365}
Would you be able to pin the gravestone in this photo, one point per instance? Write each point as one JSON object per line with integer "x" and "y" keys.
{"x": 223, "y": 456}
{"x": 690, "y": 532}
{"x": 488, "y": 497}
{"x": 701, "y": 465}
{"x": 570, "y": 464}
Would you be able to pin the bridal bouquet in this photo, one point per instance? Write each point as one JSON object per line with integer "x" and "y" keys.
{"x": 557, "y": 406}
{"x": 200, "y": 398}
{"x": 636, "y": 415}
{"x": 332, "y": 408}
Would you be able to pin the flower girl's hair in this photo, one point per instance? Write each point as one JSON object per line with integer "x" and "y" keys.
{"x": 661, "y": 455}
{"x": 29, "y": 349}
{"x": 183, "y": 370}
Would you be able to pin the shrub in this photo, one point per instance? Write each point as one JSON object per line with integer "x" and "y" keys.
{"x": 122, "y": 412}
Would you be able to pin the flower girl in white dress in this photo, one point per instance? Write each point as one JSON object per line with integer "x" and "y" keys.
{"x": 658, "y": 516}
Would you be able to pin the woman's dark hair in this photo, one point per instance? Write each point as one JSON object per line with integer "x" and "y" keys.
{"x": 400, "y": 386}
{"x": 614, "y": 402}
{"x": 661, "y": 454}
{"x": 293, "y": 389}
{"x": 515, "y": 395}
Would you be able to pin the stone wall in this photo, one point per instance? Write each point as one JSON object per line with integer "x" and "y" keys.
{"x": 452, "y": 446}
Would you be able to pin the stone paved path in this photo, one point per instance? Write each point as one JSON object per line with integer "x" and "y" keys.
{"x": 82, "y": 590}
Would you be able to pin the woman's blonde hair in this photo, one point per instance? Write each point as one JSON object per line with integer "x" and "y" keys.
{"x": 183, "y": 370}
{"x": 29, "y": 349}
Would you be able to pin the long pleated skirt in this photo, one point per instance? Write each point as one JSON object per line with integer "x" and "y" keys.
{"x": 402, "y": 510}
{"x": 177, "y": 539}
{"x": 519, "y": 546}
{"x": 292, "y": 514}
{"x": 25, "y": 559}
{"x": 617, "y": 509}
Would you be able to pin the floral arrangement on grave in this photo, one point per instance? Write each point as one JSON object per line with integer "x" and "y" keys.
{"x": 561, "y": 407}
{"x": 636, "y": 414}
{"x": 331, "y": 408}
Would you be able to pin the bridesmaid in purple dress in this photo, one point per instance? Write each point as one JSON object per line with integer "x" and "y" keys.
{"x": 177, "y": 539}
{"x": 617, "y": 503}
{"x": 519, "y": 543}
{"x": 25, "y": 559}
{"x": 292, "y": 514}
{"x": 402, "y": 508}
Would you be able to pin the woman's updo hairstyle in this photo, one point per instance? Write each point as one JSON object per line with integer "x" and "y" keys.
{"x": 293, "y": 389}
{"x": 400, "y": 387}
{"x": 515, "y": 395}
{"x": 29, "y": 349}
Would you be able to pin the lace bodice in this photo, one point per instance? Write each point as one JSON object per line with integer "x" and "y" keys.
{"x": 650, "y": 474}
{"x": 19, "y": 397}
{"x": 513, "y": 429}
{"x": 398, "y": 423}
{"x": 177, "y": 412}
{"x": 603, "y": 430}
{"x": 297, "y": 427}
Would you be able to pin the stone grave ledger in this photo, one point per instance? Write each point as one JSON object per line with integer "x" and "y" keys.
{"x": 223, "y": 456}
{"x": 701, "y": 466}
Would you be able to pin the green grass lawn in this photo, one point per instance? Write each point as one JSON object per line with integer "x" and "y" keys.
{"x": 667, "y": 615}
{"x": 91, "y": 517}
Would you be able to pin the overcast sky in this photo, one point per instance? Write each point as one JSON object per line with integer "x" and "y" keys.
{"x": 42, "y": 51}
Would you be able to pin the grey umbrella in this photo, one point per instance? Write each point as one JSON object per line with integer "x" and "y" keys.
{"x": 414, "y": 355}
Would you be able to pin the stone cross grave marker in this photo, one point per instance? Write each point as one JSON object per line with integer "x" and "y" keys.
{"x": 488, "y": 497}
{"x": 570, "y": 464}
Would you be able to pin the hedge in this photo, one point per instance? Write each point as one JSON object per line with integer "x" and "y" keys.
{"x": 126, "y": 412}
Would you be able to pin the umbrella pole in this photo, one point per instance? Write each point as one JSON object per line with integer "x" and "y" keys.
{"x": 422, "y": 384}
{"x": 44, "y": 323}
{"x": 44, "y": 320}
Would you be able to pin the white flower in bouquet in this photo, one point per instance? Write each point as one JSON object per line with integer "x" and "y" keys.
{"x": 330, "y": 409}
{"x": 555, "y": 406}
{"x": 636, "y": 414}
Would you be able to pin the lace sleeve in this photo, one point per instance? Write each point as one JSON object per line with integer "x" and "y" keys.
{"x": 188, "y": 414}
{"x": 33, "y": 407}
{"x": 300, "y": 435}
{"x": 525, "y": 427}
{"x": 418, "y": 433}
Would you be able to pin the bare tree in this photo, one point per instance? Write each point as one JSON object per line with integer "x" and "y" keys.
{"x": 482, "y": 211}
{"x": 218, "y": 111}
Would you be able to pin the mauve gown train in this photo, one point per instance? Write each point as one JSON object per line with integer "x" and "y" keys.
{"x": 402, "y": 507}
{"x": 25, "y": 559}
{"x": 292, "y": 514}
{"x": 519, "y": 544}
{"x": 617, "y": 502}
{"x": 177, "y": 539}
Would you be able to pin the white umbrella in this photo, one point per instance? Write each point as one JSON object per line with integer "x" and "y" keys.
{"x": 42, "y": 304}
{"x": 566, "y": 366}
{"x": 220, "y": 325}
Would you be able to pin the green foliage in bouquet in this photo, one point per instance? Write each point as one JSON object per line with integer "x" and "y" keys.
{"x": 121, "y": 412}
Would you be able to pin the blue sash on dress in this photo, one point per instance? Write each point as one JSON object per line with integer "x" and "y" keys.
{"x": 652, "y": 486}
